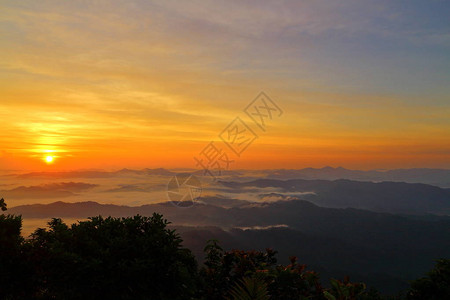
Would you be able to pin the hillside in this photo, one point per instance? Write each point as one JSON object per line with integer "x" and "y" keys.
{"x": 391, "y": 197}
{"x": 384, "y": 249}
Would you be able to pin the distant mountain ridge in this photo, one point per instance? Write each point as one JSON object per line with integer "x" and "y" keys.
{"x": 97, "y": 174}
{"x": 438, "y": 177}
{"x": 48, "y": 191}
{"x": 391, "y": 197}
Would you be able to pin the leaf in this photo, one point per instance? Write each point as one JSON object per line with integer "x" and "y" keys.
{"x": 250, "y": 288}
{"x": 329, "y": 296}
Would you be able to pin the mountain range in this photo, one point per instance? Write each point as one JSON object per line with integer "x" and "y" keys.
{"x": 392, "y": 197}
{"x": 437, "y": 177}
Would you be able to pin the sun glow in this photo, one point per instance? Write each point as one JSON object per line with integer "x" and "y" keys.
{"x": 49, "y": 159}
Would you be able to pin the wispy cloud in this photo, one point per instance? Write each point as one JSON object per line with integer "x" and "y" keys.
{"x": 143, "y": 79}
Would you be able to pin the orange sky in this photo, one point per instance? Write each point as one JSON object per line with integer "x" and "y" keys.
{"x": 145, "y": 84}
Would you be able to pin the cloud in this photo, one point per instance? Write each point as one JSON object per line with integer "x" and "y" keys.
{"x": 255, "y": 194}
{"x": 145, "y": 188}
{"x": 271, "y": 197}
{"x": 264, "y": 227}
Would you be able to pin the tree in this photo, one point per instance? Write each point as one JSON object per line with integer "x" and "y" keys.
{"x": 345, "y": 290}
{"x": 227, "y": 270}
{"x": 3, "y": 204}
{"x": 435, "y": 286}
{"x": 15, "y": 272}
{"x": 113, "y": 258}
{"x": 239, "y": 274}
{"x": 250, "y": 288}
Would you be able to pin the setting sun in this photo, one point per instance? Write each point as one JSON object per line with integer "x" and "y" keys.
{"x": 49, "y": 159}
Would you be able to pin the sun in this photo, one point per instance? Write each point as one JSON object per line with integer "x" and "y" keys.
{"x": 49, "y": 159}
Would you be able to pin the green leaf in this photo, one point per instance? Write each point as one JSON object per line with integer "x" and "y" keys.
{"x": 250, "y": 288}
{"x": 329, "y": 296}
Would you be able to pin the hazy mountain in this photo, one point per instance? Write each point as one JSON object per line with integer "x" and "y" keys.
{"x": 438, "y": 177}
{"x": 72, "y": 210}
{"x": 331, "y": 257}
{"x": 222, "y": 173}
{"x": 158, "y": 171}
{"x": 223, "y": 201}
{"x": 392, "y": 197}
{"x": 127, "y": 188}
{"x": 69, "y": 174}
{"x": 45, "y": 191}
{"x": 97, "y": 174}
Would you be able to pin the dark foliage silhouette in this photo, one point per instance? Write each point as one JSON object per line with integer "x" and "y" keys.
{"x": 436, "y": 285}
{"x": 141, "y": 258}
{"x": 15, "y": 273}
{"x": 3, "y": 204}
{"x": 253, "y": 274}
{"x": 112, "y": 258}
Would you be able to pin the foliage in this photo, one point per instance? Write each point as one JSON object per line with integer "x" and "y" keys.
{"x": 127, "y": 258}
{"x": 3, "y": 204}
{"x": 436, "y": 285}
{"x": 253, "y": 274}
{"x": 294, "y": 282}
{"x": 15, "y": 273}
{"x": 115, "y": 258}
{"x": 250, "y": 288}
{"x": 223, "y": 269}
{"x": 345, "y": 290}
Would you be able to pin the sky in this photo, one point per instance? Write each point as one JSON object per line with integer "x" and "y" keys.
{"x": 112, "y": 84}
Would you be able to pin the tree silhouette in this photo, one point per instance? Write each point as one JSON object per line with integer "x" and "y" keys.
{"x": 113, "y": 258}
{"x": 3, "y": 204}
{"x": 15, "y": 272}
{"x": 436, "y": 285}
